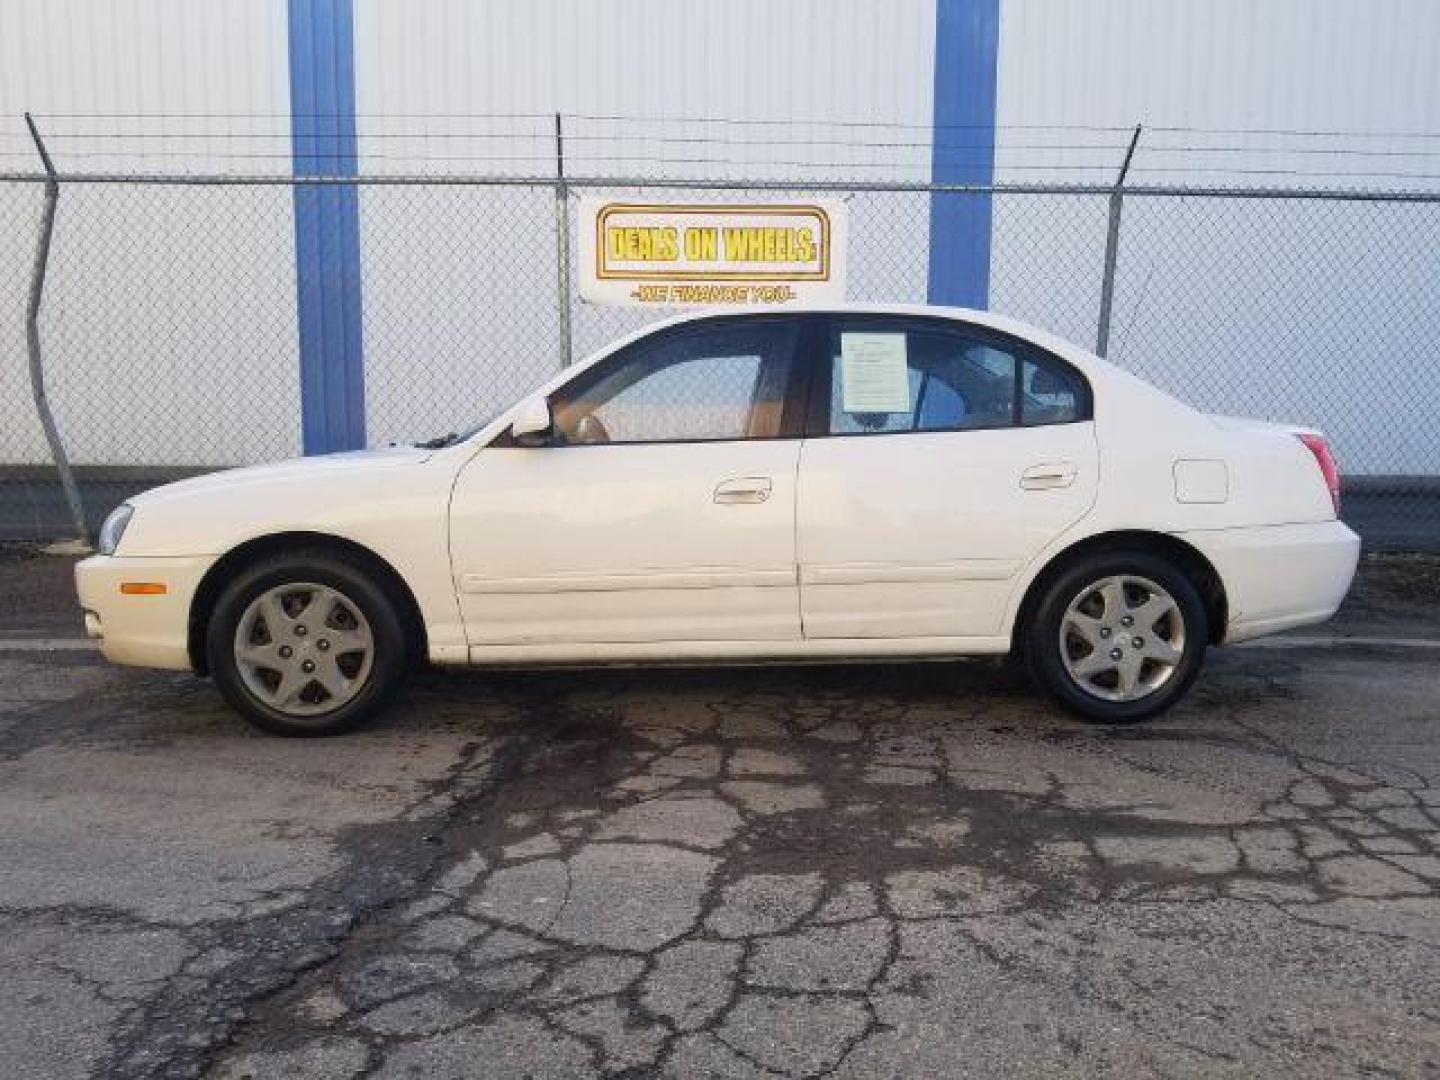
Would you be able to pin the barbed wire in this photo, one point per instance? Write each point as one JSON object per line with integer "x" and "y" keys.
{"x": 650, "y": 118}
{"x": 753, "y": 145}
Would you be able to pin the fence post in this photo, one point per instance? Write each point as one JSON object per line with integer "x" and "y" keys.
{"x": 562, "y": 244}
{"x": 1112, "y": 250}
{"x": 32, "y": 336}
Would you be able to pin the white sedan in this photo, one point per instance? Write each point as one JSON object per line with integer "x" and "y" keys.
{"x": 848, "y": 483}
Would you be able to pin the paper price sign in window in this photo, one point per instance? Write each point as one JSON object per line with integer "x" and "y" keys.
{"x": 874, "y": 374}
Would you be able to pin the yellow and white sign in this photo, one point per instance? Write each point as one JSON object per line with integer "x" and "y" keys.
{"x": 703, "y": 254}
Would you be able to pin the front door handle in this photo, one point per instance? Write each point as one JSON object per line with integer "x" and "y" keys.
{"x": 1057, "y": 474}
{"x": 743, "y": 489}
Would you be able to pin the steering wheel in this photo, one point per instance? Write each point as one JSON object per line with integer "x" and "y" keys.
{"x": 590, "y": 430}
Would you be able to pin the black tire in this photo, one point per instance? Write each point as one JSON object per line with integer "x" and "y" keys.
{"x": 352, "y": 579}
{"x": 1043, "y": 646}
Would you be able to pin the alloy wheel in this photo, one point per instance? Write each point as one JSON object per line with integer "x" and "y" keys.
{"x": 304, "y": 649}
{"x": 1122, "y": 638}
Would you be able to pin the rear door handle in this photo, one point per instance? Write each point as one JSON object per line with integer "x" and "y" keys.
{"x": 743, "y": 489}
{"x": 1057, "y": 474}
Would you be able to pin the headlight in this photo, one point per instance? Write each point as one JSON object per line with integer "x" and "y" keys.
{"x": 114, "y": 528}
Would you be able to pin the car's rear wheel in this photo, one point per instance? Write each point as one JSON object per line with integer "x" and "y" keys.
{"x": 307, "y": 644}
{"x": 1117, "y": 637}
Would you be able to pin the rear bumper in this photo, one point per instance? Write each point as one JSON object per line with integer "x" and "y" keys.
{"x": 147, "y": 629}
{"x": 1278, "y": 577}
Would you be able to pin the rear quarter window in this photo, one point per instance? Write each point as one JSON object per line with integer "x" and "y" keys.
{"x": 1051, "y": 394}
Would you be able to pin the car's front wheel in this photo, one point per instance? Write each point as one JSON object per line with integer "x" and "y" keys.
{"x": 1117, "y": 637}
{"x": 306, "y": 644}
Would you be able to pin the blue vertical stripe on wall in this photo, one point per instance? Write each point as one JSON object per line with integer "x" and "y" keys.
{"x": 967, "y": 36}
{"x": 327, "y": 225}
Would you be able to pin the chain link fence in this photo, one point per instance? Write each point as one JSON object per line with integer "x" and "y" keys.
{"x": 170, "y": 342}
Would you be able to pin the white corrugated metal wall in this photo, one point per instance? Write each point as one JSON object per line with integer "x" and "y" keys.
{"x": 186, "y": 290}
{"x": 749, "y": 89}
{"x": 1217, "y": 299}
{"x": 197, "y": 289}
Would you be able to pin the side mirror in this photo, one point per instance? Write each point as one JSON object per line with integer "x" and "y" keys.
{"x": 531, "y": 426}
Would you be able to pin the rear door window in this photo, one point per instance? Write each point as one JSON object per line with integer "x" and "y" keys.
{"x": 897, "y": 378}
{"x": 891, "y": 375}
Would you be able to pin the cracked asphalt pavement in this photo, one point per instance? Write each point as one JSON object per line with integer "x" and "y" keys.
{"x": 800, "y": 871}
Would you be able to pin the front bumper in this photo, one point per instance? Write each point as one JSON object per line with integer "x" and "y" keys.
{"x": 147, "y": 628}
{"x": 1278, "y": 577}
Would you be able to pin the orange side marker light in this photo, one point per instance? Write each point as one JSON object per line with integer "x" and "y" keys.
{"x": 143, "y": 588}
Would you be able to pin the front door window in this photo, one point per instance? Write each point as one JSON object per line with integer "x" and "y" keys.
{"x": 702, "y": 384}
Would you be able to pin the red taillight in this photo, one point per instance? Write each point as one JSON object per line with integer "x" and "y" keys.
{"x": 1326, "y": 460}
